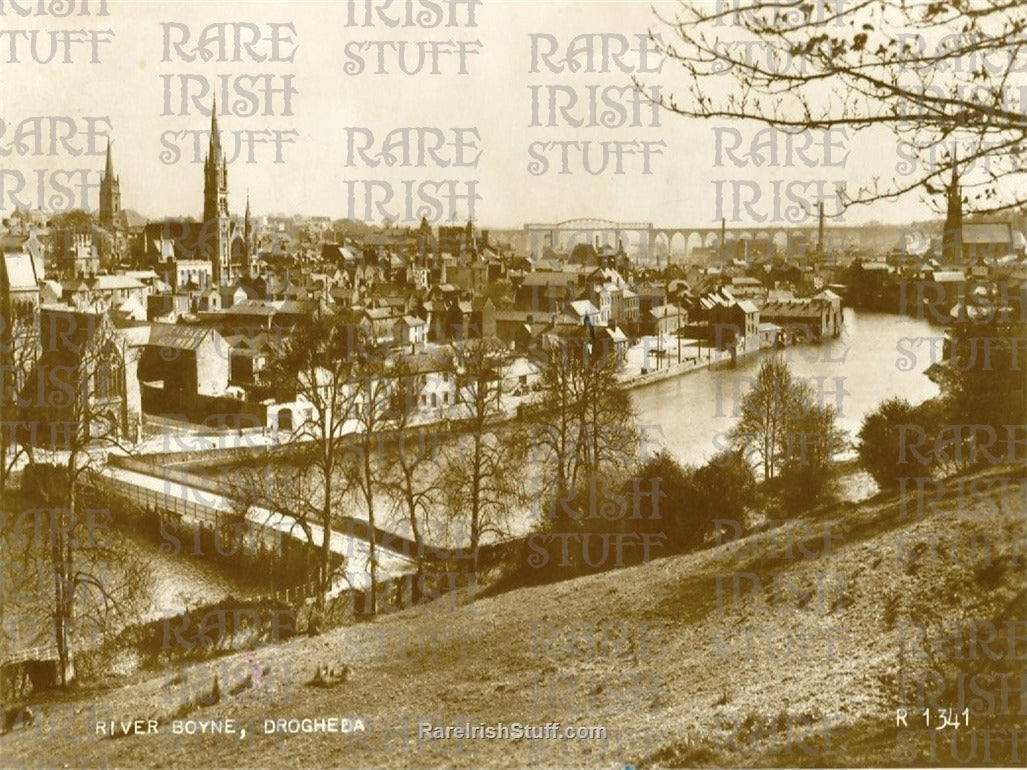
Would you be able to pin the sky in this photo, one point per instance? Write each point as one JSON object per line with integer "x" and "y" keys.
{"x": 495, "y": 136}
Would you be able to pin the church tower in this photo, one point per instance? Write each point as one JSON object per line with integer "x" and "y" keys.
{"x": 110, "y": 195}
{"x": 216, "y": 228}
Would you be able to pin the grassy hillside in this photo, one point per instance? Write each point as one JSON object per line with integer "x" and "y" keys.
{"x": 852, "y": 607}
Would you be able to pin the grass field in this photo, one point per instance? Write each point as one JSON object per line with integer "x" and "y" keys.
{"x": 794, "y": 647}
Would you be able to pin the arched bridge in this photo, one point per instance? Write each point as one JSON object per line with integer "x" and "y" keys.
{"x": 662, "y": 244}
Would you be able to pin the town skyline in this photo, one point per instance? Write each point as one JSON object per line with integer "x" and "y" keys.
{"x": 96, "y": 207}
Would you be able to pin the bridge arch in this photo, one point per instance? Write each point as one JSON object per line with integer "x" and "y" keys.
{"x": 693, "y": 242}
{"x": 661, "y": 245}
{"x": 678, "y": 247}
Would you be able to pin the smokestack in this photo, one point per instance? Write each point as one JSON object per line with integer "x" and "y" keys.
{"x": 820, "y": 229}
{"x": 952, "y": 236}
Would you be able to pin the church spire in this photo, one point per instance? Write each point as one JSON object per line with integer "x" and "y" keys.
{"x": 247, "y": 231}
{"x": 110, "y": 193}
{"x": 215, "y": 137}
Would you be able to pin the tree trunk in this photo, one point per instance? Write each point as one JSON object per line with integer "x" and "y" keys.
{"x": 63, "y": 590}
{"x": 371, "y": 537}
{"x": 326, "y": 545}
{"x": 415, "y": 530}
{"x": 476, "y": 502}
{"x": 60, "y": 598}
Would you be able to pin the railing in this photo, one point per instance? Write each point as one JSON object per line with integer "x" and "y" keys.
{"x": 445, "y": 557}
{"x": 185, "y": 478}
{"x": 293, "y": 595}
{"x": 149, "y": 498}
{"x": 356, "y": 528}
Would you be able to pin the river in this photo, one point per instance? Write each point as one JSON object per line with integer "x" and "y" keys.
{"x": 181, "y": 582}
{"x": 690, "y": 416}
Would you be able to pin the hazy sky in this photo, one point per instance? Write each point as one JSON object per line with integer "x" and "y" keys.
{"x": 136, "y": 84}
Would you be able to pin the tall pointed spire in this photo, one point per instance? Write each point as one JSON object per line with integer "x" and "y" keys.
{"x": 247, "y": 232}
{"x": 215, "y": 136}
{"x": 110, "y": 193}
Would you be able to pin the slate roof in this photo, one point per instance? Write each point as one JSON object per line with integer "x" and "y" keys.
{"x": 21, "y": 271}
{"x": 179, "y": 336}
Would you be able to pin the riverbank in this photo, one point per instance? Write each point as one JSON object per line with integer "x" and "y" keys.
{"x": 713, "y": 360}
{"x": 196, "y": 444}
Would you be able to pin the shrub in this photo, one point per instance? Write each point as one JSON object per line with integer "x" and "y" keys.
{"x": 893, "y": 438}
{"x": 720, "y": 489}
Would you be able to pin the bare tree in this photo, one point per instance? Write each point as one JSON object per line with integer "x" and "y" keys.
{"x": 555, "y": 423}
{"x": 610, "y": 437}
{"x": 97, "y": 580}
{"x": 412, "y": 475}
{"x": 582, "y": 426}
{"x": 73, "y": 409}
{"x": 786, "y": 431}
{"x": 944, "y": 76}
{"x": 315, "y": 367}
{"x": 479, "y": 477}
{"x": 286, "y": 483}
{"x": 372, "y": 386}
{"x": 19, "y": 350}
{"x": 766, "y": 409}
